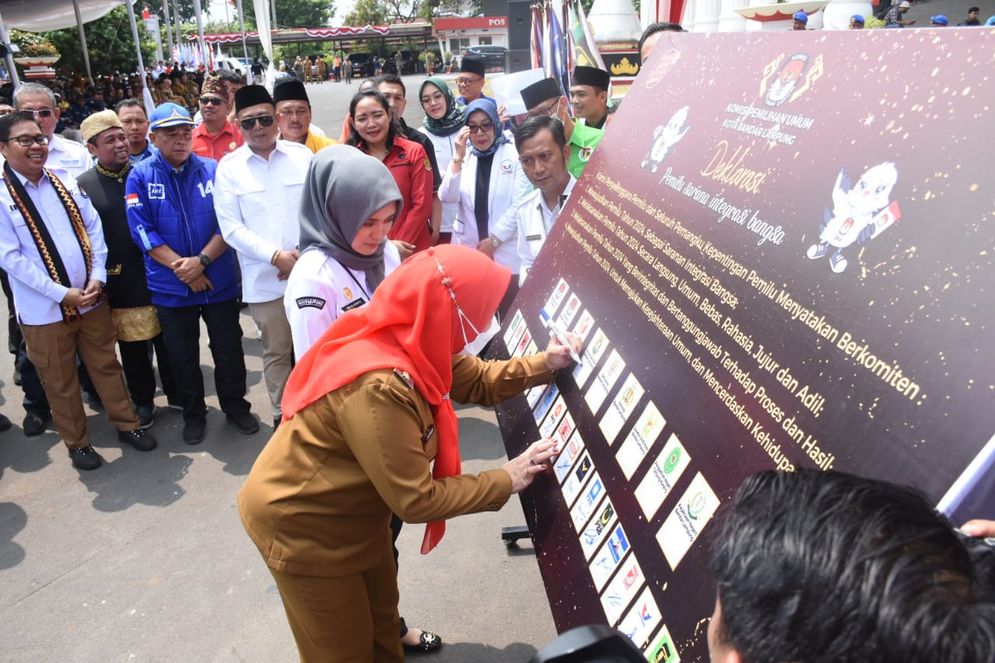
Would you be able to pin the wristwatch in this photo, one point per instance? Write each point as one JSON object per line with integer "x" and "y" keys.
{"x": 204, "y": 260}
{"x": 495, "y": 242}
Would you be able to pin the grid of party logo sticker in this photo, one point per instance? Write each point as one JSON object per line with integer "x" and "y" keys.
{"x": 618, "y": 577}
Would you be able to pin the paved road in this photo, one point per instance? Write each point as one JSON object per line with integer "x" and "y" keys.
{"x": 145, "y": 559}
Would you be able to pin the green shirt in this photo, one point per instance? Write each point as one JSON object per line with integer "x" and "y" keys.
{"x": 582, "y": 142}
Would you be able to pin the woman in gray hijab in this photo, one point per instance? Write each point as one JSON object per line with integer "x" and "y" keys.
{"x": 348, "y": 204}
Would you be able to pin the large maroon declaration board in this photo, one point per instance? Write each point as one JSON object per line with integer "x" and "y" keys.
{"x": 780, "y": 256}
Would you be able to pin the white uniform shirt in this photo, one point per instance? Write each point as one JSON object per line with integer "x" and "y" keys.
{"x": 445, "y": 147}
{"x": 508, "y": 184}
{"x": 36, "y": 296}
{"x": 257, "y": 203}
{"x": 320, "y": 289}
{"x": 529, "y": 223}
{"x": 68, "y": 155}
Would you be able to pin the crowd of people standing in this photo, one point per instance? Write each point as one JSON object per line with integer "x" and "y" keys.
{"x": 118, "y": 250}
{"x": 373, "y": 267}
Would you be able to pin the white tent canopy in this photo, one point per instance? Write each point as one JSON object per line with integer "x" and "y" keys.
{"x": 46, "y": 15}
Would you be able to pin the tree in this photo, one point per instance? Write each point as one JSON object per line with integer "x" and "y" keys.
{"x": 367, "y": 12}
{"x": 110, "y": 45}
{"x": 184, "y": 8}
{"x": 296, "y": 13}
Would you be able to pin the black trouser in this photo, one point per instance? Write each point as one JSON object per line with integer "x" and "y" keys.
{"x": 34, "y": 400}
{"x": 136, "y": 361}
{"x": 181, "y": 333}
{"x": 13, "y": 329}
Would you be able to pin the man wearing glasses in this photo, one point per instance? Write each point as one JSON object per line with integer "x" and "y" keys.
{"x": 293, "y": 116}
{"x": 69, "y": 156}
{"x": 257, "y": 192}
{"x": 216, "y": 136}
{"x": 471, "y": 81}
{"x": 545, "y": 98}
{"x": 63, "y": 154}
{"x": 190, "y": 271}
{"x": 52, "y": 246}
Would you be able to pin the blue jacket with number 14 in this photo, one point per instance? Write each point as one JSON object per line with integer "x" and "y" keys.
{"x": 175, "y": 207}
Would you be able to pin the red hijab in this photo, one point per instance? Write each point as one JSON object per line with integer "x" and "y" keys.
{"x": 411, "y": 325}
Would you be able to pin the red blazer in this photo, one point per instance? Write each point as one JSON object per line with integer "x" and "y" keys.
{"x": 412, "y": 171}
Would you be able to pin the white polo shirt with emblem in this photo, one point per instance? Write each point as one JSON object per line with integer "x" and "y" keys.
{"x": 68, "y": 155}
{"x": 320, "y": 289}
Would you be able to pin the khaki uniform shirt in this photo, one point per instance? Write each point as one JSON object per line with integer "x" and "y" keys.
{"x": 319, "y": 497}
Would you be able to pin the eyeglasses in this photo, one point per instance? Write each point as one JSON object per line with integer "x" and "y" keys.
{"x": 28, "y": 141}
{"x": 482, "y": 127}
{"x": 431, "y": 99}
{"x": 6, "y": 111}
{"x": 40, "y": 112}
{"x": 250, "y": 122}
{"x": 463, "y": 81}
{"x": 547, "y": 110}
{"x": 211, "y": 101}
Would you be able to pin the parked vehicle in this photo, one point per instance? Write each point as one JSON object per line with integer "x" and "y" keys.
{"x": 238, "y": 65}
{"x": 362, "y": 65}
{"x": 493, "y": 56}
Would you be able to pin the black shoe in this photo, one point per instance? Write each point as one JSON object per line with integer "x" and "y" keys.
{"x": 17, "y": 378}
{"x": 244, "y": 422}
{"x": 140, "y": 439}
{"x": 85, "y": 458}
{"x": 4, "y": 423}
{"x": 276, "y": 422}
{"x": 174, "y": 404}
{"x": 428, "y": 642}
{"x": 193, "y": 431}
{"x": 146, "y": 415}
{"x": 35, "y": 424}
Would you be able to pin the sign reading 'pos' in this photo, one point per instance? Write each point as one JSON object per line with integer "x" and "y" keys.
{"x": 780, "y": 257}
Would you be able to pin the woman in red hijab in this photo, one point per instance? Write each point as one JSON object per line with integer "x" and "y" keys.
{"x": 366, "y": 411}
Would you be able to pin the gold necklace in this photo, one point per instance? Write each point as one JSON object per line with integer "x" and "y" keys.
{"x": 119, "y": 176}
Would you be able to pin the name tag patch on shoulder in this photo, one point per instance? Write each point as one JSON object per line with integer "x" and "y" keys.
{"x": 405, "y": 377}
{"x": 428, "y": 434}
{"x": 310, "y": 302}
{"x": 354, "y": 304}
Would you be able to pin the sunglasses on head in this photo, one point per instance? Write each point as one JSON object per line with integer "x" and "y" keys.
{"x": 250, "y": 122}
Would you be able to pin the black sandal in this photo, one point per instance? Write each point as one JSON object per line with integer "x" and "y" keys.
{"x": 428, "y": 642}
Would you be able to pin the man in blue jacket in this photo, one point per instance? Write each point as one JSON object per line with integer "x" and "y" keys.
{"x": 191, "y": 273}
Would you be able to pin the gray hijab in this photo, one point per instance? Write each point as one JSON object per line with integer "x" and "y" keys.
{"x": 343, "y": 188}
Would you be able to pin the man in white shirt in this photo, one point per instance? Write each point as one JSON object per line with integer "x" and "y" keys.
{"x": 257, "y": 192}
{"x": 75, "y": 159}
{"x": 52, "y": 247}
{"x": 544, "y": 154}
{"x": 63, "y": 154}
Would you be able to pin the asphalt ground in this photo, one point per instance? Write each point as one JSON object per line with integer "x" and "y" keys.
{"x": 145, "y": 558}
